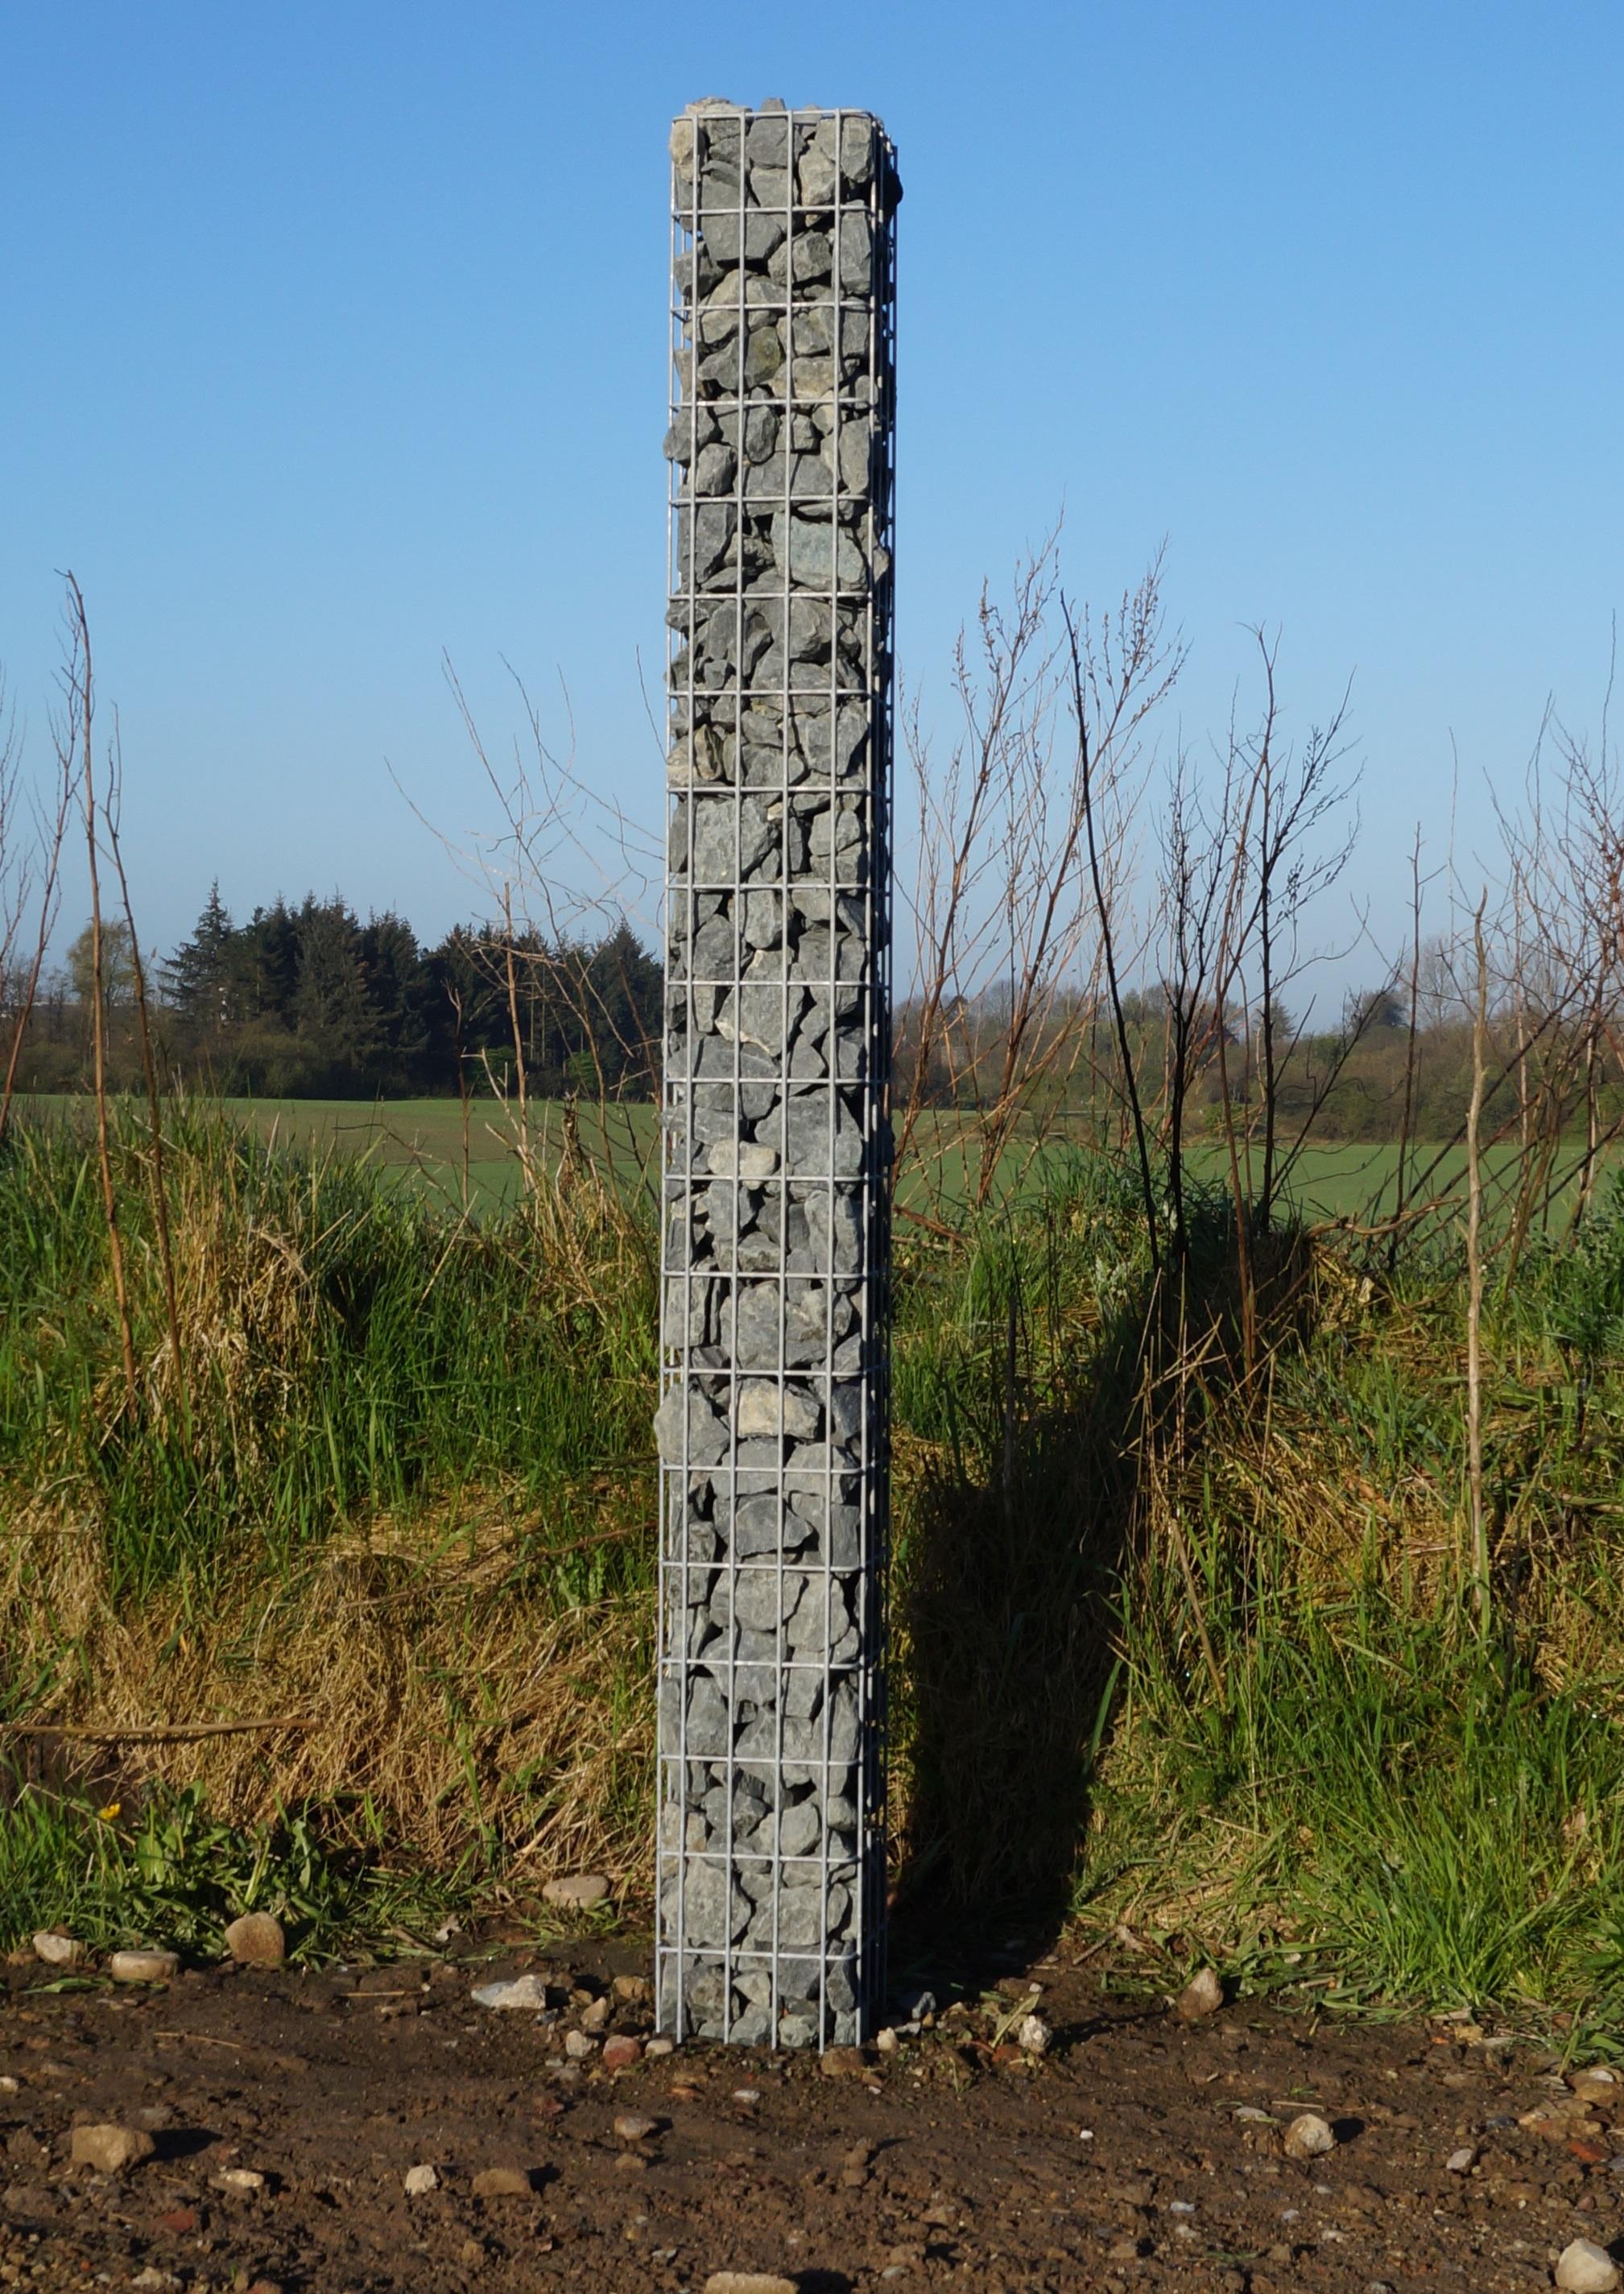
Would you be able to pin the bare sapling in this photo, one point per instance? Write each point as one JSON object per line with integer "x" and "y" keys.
{"x": 565, "y": 857}
{"x": 30, "y": 890}
{"x": 1474, "y": 1278}
{"x": 1412, "y": 1036}
{"x": 1023, "y": 842}
{"x": 111, "y": 809}
{"x": 76, "y": 736}
{"x": 1102, "y": 884}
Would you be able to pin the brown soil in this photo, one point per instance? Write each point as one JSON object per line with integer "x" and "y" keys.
{"x": 1119, "y": 2161}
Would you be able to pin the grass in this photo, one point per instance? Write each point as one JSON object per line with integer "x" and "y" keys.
{"x": 1183, "y": 1642}
{"x": 346, "y": 1345}
{"x": 425, "y": 1141}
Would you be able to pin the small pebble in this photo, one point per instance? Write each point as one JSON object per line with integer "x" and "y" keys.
{"x": 632, "y": 2127}
{"x": 620, "y": 2053}
{"x": 1586, "y": 2268}
{"x": 887, "y": 2041}
{"x": 256, "y": 1940}
{"x": 521, "y": 1991}
{"x": 502, "y": 2183}
{"x": 420, "y": 2181}
{"x": 241, "y": 2182}
{"x": 1201, "y": 1996}
{"x": 1309, "y": 2138}
{"x": 1461, "y": 2161}
{"x": 662, "y": 2047}
{"x": 578, "y": 2045}
{"x": 143, "y": 1966}
{"x": 747, "y": 2282}
{"x": 746, "y": 2097}
{"x": 57, "y": 1949}
{"x": 1034, "y": 2035}
{"x": 576, "y": 1891}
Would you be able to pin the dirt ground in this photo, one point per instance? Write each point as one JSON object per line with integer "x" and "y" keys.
{"x": 1137, "y": 2153}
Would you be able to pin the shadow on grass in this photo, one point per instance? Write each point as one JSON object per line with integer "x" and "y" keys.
{"x": 1021, "y": 1530}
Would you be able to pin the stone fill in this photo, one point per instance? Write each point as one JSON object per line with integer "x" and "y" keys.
{"x": 772, "y": 1426}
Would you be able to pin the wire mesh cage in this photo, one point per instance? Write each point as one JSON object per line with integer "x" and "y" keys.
{"x": 773, "y": 1416}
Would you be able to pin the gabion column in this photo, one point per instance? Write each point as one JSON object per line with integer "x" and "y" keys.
{"x": 773, "y": 1424}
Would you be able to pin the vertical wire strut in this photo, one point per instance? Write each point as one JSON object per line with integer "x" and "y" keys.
{"x": 773, "y": 1424}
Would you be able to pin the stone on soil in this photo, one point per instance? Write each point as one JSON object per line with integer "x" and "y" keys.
{"x": 256, "y": 1940}
{"x": 576, "y": 1891}
{"x": 502, "y": 2183}
{"x": 420, "y": 2181}
{"x": 1201, "y": 1996}
{"x": 1586, "y": 2268}
{"x": 143, "y": 1966}
{"x": 57, "y": 1949}
{"x": 1309, "y": 2137}
{"x": 110, "y": 2150}
{"x": 521, "y": 1991}
{"x": 748, "y": 2282}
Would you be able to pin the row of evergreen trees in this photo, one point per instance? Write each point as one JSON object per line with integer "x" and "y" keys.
{"x": 306, "y": 999}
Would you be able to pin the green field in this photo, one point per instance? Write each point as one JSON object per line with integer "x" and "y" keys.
{"x": 472, "y": 1156}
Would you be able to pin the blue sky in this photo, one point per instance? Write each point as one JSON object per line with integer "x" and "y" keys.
{"x": 336, "y": 336}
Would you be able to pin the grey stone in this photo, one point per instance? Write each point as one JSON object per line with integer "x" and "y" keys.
{"x": 821, "y": 1136}
{"x": 822, "y": 167}
{"x": 805, "y": 1916}
{"x": 763, "y": 355}
{"x": 724, "y": 234}
{"x": 766, "y": 1408}
{"x": 707, "y": 1428}
{"x": 813, "y": 554}
{"x": 799, "y": 1829}
{"x": 713, "y": 470}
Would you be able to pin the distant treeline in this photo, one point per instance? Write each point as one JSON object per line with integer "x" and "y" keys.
{"x": 308, "y": 1001}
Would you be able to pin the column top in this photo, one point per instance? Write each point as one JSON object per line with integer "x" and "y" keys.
{"x": 817, "y": 129}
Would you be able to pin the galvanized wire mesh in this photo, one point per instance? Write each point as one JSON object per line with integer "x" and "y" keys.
{"x": 773, "y": 1423}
